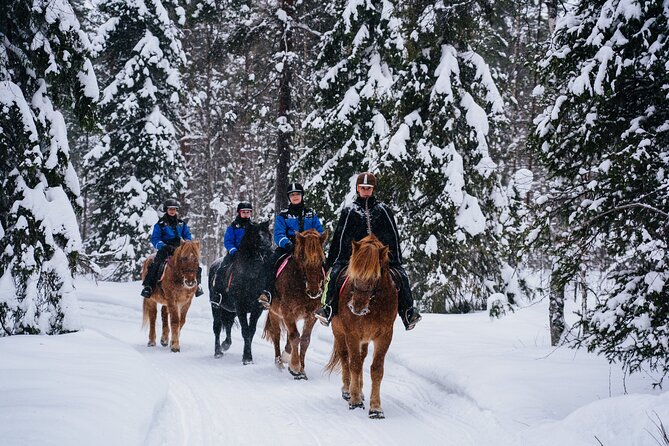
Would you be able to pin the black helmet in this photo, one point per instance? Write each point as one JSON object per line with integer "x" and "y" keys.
{"x": 244, "y": 206}
{"x": 171, "y": 203}
{"x": 295, "y": 187}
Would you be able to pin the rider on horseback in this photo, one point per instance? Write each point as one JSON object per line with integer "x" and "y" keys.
{"x": 295, "y": 218}
{"x": 366, "y": 216}
{"x": 233, "y": 238}
{"x": 166, "y": 238}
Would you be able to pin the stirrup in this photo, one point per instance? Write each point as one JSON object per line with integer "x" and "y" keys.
{"x": 199, "y": 291}
{"x": 324, "y": 314}
{"x": 410, "y": 318}
{"x": 265, "y": 299}
{"x": 146, "y": 292}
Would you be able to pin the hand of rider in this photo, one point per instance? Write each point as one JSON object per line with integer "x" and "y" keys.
{"x": 170, "y": 249}
{"x": 289, "y": 247}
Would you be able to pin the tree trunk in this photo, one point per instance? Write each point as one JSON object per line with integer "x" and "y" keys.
{"x": 556, "y": 310}
{"x": 285, "y": 127}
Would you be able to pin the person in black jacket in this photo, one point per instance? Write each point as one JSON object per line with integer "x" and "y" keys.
{"x": 367, "y": 216}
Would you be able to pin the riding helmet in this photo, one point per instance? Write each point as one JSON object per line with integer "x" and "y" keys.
{"x": 295, "y": 187}
{"x": 171, "y": 203}
{"x": 366, "y": 179}
{"x": 244, "y": 206}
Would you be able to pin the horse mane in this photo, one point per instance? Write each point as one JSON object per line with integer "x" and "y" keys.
{"x": 188, "y": 247}
{"x": 368, "y": 258}
{"x": 308, "y": 247}
{"x": 252, "y": 241}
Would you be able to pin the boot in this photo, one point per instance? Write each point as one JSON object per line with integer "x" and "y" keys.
{"x": 410, "y": 318}
{"x": 265, "y": 299}
{"x": 324, "y": 314}
{"x": 199, "y": 291}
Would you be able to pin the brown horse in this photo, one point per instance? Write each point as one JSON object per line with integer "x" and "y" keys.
{"x": 174, "y": 292}
{"x": 298, "y": 291}
{"x": 367, "y": 310}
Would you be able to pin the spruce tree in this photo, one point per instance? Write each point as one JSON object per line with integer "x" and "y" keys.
{"x": 138, "y": 163}
{"x": 438, "y": 163}
{"x": 605, "y": 142}
{"x": 44, "y": 68}
{"x": 355, "y": 71}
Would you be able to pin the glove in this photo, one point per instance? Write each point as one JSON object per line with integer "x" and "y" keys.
{"x": 289, "y": 247}
{"x": 170, "y": 249}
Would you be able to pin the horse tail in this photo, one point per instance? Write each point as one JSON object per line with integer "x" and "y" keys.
{"x": 145, "y": 312}
{"x": 267, "y": 331}
{"x": 334, "y": 365}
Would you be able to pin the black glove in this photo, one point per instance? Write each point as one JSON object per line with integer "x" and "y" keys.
{"x": 289, "y": 247}
{"x": 170, "y": 249}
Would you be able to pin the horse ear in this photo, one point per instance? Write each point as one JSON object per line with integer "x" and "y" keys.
{"x": 324, "y": 237}
{"x": 299, "y": 235}
{"x": 383, "y": 254}
{"x": 356, "y": 245}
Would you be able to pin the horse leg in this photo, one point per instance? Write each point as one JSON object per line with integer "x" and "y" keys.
{"x": 151, "y": 309}
{"x": 228, "y": 322}
{"x": 217, "y": 314}
{"x": 183, "y": 312}
{"x": 251, "y": 331}
{"x": 273, "y": 334}
{"x": 342, "y": 353}
{"x": 355, "y": 363}
{"x": 243, "y": 322}
{"x": 294, "y": 339}
{"x": 175, "y": 323}
{"x": 381, "y": 346}
{"x": 165, "y": 336}
{"x": 305, "y": 340}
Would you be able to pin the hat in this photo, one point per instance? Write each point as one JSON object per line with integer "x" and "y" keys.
{"x": 295, "y": 187}
{"x": 244, "y": 206}
{"x": 171, "y": 203}
{"x": 365, "y": 179}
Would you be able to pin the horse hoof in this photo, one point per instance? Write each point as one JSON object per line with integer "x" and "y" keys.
{"x": 376, "y": 414}
{"x": 359, "y": 405}
{"x": 300, "y": 376}
{"x": 218, "y": 355}
{"x": 247, "y": 361}
{"x": 175, "y": 349}
{"x": 346, "y": 395}
{"x": 163, "y": 343}
{"x": 225, "y": 346}
{"x": 151, "y": 344}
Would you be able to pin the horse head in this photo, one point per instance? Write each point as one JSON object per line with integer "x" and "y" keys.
{"x": 257, "y": 240}
{"x": 186, "y": 259}
{"x": 309, "y": 256}
{"x": 369, "y": 258}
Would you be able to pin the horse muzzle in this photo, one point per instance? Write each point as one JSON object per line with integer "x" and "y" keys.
{"x": 190, "y": 283}
{"x": 362, "y": 312}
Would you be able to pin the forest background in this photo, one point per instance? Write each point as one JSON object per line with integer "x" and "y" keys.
{"x": 508, "y": 136}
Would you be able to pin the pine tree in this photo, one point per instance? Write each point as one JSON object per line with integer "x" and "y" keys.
{"x": 356, "y": 68}
{"x": 438, "y": 159}
{"x": 605, "y": 143}
{"x": 44, "y": 67}
{"x": 138, "y": 163}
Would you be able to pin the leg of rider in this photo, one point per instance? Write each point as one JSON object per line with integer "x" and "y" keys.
{"x": 199, "y": 291}
{"x": 219, "y": 281}
{"x": 152, "y": 274}
{"x": 270, "y": 279}
{"x": 331, "y": 304}
{"x": 405, "y": 307}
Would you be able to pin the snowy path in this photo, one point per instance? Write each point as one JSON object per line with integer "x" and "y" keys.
{"x": 220, "y": 401}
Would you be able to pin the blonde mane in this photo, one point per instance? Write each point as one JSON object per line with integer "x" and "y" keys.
{"x": 369, "y": 257}
{"x": 308, "y": 248}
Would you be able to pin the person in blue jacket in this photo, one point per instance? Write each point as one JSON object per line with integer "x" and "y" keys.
{"x": 166, "y": 237}
{"x": 233, "y": 239}
{"x": 295, "y": 218}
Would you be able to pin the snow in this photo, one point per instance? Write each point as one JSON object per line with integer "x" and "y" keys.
{"x": 454, "y": 380}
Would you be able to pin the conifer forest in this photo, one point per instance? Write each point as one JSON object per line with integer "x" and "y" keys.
{"x": 513, "y": 139}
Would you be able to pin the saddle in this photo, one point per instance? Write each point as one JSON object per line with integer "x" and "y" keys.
{"x": 160, "y": 269}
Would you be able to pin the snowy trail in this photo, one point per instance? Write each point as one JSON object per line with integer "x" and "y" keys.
{"x": 220, "y": 401}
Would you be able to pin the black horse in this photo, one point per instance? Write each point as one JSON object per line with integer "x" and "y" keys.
{"x": 235, "y": 292}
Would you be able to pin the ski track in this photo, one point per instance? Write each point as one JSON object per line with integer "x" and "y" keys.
{"x": 199, "y": 410}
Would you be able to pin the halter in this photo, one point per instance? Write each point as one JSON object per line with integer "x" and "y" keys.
{"x": 373, "y": 290}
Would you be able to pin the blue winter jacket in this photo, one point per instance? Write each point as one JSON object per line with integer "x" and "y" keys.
{"x": 234, "y": 235}
{"x": 288, "y": 223}
{"x": 165, "y": 233}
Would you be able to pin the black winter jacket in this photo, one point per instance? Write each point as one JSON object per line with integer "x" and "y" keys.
{"x": 352, "y": 226}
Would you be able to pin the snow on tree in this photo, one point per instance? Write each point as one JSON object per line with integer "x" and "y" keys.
{"x": 437, "y": 161}
{"x": 356, "y": 68}
{"x": 605, "y": 142}
{"x": 138, "y": 163}
{"x": 44, "y": 68}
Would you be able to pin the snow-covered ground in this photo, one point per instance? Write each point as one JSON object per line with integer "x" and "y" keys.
{"x": 455, "y": 380}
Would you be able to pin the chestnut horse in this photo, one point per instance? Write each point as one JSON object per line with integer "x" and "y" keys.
{"x": 367, "y": 311}
{"x": 298, "y": 292}
{"x": 174, "y": 291}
